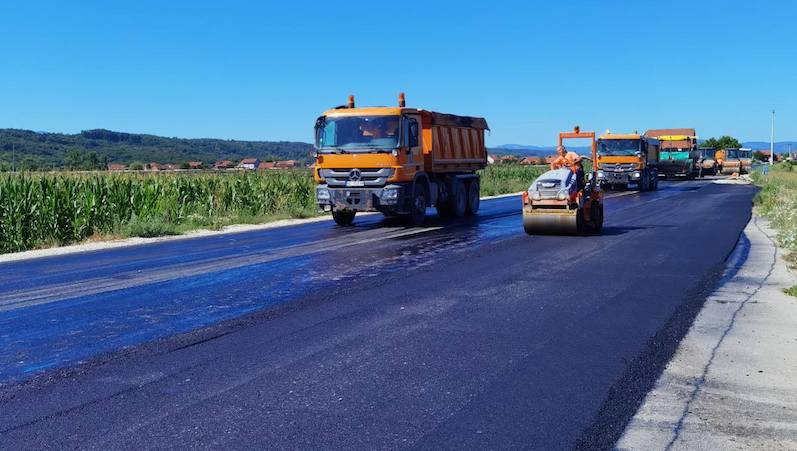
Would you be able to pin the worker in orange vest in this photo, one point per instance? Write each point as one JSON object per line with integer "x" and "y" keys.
{"x": 570, "y": 160}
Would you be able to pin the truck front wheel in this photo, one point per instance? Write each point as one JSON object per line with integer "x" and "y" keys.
{"x": 344, "y": 218}
{"x": 418, "y": 211}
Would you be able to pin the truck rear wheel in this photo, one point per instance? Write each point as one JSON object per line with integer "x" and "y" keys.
{"x": 344, "y": 218}
{"x": 459, "y": 199}
{"x": 474, "y": 191}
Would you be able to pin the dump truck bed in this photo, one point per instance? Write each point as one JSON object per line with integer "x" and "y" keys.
{"x": 453, "y": 143}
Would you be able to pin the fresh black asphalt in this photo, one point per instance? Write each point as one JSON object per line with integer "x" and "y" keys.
{"x": 464, "y": 335}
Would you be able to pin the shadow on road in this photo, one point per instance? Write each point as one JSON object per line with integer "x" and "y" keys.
{"x": 620, "y": 230}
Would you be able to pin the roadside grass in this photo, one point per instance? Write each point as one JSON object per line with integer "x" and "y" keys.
{"x": 40, "y": 210}
{"x": 777, "y": 201}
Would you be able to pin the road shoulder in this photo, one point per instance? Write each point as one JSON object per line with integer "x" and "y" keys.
{"x": 731, "y": 383}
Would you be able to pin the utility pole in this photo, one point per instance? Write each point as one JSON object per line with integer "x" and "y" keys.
{"x": 772, "y": 140}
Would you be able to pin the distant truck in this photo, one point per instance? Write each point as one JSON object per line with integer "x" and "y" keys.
{"x": 679, "y": 153}
{"x": 728, "y": 161}
{"x": 628, "y": 158}
{"x": 708, "y": 162}
{"x": 398, "y": 161}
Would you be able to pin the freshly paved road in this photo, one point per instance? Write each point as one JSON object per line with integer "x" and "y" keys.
{"x": 465, "y": 334}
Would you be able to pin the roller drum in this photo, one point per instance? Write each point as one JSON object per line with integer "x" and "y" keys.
{"x": 551, "y": 224}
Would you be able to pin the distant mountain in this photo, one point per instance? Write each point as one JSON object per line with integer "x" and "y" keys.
{"x": 94, "y": 148}
{"x": 780, "y": 146}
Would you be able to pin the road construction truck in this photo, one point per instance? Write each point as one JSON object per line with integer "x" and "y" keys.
{"x": 398, "y": 161}
{"x": 708, "y": 162}
{"x": 728, "y": 161}
{"x": 628, "y": 158}
{"x": 679, "y": 154}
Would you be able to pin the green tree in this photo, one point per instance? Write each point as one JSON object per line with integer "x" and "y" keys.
{"x": 92, "y": 161}
{"x": 185, "y": 165}
{"x": 137, "y": 166}
{"x": 73, "y": 159}
{"x": 723, "y": 142}
{"x": 30, "y": 164}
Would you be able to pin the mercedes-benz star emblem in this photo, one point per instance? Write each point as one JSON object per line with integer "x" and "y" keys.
{"x": 355, "y": 175}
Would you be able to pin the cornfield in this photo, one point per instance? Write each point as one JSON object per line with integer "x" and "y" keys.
{"x": 45, "y": 209}
{"x": 508, "y": 178}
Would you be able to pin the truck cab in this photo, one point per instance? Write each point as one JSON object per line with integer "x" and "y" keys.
{"x": 628, "y": 158}
{"x": 398, "y": 161}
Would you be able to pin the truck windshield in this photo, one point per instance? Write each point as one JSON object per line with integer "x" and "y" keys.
{"x": 618, "y": 147}
{"x": 731, "y": 154}
{"x": 707, "y": 153}
{"x": 353, "y": 133}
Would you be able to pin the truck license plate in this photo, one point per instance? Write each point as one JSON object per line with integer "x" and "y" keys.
{"x": 358, "y": 183}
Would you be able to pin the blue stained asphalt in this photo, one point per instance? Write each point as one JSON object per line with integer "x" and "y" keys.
{"x": 67, "y": 331}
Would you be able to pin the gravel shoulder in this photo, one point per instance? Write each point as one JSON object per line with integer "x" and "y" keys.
{"x": 731, "y": 384}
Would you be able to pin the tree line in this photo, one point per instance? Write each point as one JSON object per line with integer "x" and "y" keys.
{"x": 94, "y": 149}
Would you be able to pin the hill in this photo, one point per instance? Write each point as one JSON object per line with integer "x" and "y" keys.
{"x": 780, "y": 147}
{"x": 533, "y": 151}
{"x": 95, "y": 148}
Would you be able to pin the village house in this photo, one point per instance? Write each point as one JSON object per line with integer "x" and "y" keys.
{"x": 194, "y": 165}
{"x": 532, "y": 161}
{"x": 226, "y": 164}
{"x": 285, "y": 164}
{"x": 249, "y": 164}
{"x": 116, "y": 167}
{"x": 265, "y": 165}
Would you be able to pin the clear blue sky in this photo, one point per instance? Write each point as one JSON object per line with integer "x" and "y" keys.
{"x": 248, "y": 70}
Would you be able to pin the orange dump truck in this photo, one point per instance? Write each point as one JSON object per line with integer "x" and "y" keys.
{"x": 398, "y": 161}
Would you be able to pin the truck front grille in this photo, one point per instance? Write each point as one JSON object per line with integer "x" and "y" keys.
{"x": 358, "y": 176}
{"x": 617, "y": 167}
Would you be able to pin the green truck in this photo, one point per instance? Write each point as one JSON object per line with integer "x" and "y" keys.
{"x": 679, "y": 155}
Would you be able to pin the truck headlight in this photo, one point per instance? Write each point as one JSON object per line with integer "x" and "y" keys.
{"x": 636, "y": 174}
{"x": 389, "y": 194}
{"x": 600, "y": 174}
{"x": 535, "y": 195}
{"x": 322, "y": 194}
{"x": 562, "y": 195}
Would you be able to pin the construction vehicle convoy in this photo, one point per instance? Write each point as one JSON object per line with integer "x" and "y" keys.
{"x": 708, "y": 162}
{"x": 628, "y": 158}
{"x": 679, "y": 155}
{"x": 562, "y": 201}
{"x": 398, "y": 161}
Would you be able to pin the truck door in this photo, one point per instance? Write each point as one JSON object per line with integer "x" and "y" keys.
{"x": 411, "y": 143}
